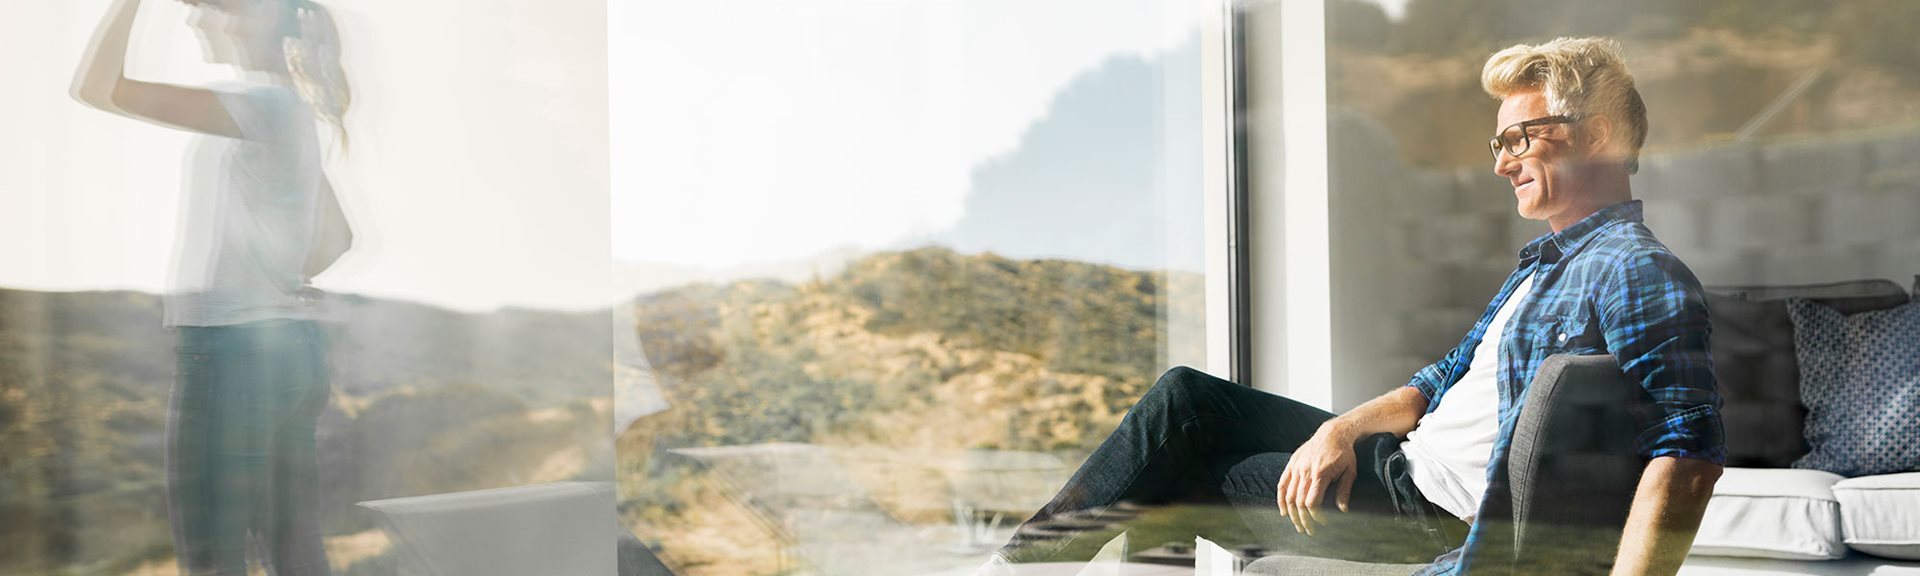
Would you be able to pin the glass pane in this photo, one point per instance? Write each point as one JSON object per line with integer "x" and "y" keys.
{"x": 1779, "y": 152}
{"x": 899, "y": 267}
{"x": 173, "y": 395}
{"x": 1782, "y": 149}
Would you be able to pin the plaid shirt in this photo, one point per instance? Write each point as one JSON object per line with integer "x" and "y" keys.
{"x": 1602, "y": 285}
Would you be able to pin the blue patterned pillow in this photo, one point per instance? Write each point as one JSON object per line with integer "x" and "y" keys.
{"x": 1860, "y": 380}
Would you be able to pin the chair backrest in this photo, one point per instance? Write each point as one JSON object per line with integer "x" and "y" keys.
{"x": 1572, "y": 466}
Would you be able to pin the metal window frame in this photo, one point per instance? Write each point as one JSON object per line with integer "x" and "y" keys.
{"x": 1229, "y": 285}
{"x": 1283, "y": 340}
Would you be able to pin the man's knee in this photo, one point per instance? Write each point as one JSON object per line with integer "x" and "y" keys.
{"x": 1183, "y": 384}
{"x": 1255, "y": 478}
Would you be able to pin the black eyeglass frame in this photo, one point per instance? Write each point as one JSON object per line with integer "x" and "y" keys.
{"x": 1495, "y": 144}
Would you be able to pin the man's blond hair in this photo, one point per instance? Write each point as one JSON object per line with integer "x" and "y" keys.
{"x": 1581, "y": 78}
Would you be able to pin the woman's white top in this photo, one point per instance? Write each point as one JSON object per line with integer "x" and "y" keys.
{"x": 1448, "y": 450}
{"x": 248, "y": 215}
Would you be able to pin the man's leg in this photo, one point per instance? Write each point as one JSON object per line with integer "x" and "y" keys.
{"x": 1176, "y": 441}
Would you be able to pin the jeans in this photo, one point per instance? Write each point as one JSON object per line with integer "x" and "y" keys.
{"x": 1194, "y": 438}
{"x": 241, "y": 469}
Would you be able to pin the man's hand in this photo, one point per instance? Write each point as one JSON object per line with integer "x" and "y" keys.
{"x": 1327, "y": 459}
{"x": 1322, "y": 461}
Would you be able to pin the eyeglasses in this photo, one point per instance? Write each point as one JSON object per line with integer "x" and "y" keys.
{"x": 1516, "y": 139}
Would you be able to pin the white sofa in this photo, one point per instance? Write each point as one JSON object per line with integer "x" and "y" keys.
{"x": 1788, "y": 521}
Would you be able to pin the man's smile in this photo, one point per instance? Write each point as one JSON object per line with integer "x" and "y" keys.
{"x": 1522, "y": 184}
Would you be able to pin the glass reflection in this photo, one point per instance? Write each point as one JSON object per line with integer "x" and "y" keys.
{"x": 251, "y": 376}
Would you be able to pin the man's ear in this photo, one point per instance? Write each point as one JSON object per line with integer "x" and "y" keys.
{"x": 1596, "y": 134}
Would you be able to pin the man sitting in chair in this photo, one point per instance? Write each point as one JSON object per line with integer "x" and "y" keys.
{"x": 1569, "y": 131}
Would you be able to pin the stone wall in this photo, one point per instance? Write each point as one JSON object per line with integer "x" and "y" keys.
{"x": 1419, "y": 253}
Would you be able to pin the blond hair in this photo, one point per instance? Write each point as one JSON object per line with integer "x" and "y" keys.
{"x": 312, "y": 44}
{"x": 1580, "y": 78}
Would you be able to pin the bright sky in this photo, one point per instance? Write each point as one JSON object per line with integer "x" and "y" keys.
{"x": 1395, "y": 8}
{"x": 477, "y": 177}
{"x": 765, "y": 130}
{"x": 741, "y": 132}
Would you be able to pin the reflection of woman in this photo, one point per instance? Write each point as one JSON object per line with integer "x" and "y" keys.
{"x": 261, "y": 221}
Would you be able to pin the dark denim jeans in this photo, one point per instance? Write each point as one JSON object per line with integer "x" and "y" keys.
{"x": 240, "y": 447}
{"x": 1194, "y": 438}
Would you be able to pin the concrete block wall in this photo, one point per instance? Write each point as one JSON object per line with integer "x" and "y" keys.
{"x": 1810, "y": 211}
{"x": 1816, "y": 210}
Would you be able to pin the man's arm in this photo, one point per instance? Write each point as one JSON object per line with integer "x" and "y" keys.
{"x": 1655, "y": 318}
{"x": 1666, "y": 513}
{"x": 1328, "y": 457}
{"x": 1397, "y": 412}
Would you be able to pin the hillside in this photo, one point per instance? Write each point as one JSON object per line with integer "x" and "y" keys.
{"x": 914, "y": 359}
{"x": 426, "y": 401}
{"x": 928, "y": 352}
{"x": 1707, "y": 68}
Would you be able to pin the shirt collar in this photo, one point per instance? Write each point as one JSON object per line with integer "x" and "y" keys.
{"x": 1553, "y": 246}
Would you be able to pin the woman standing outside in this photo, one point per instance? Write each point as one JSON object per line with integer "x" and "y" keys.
{"x": 260, "y": 222}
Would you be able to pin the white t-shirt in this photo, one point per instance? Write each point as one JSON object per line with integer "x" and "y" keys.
{"x": 248, "y": 214}
{"x": 1448, "y": 450}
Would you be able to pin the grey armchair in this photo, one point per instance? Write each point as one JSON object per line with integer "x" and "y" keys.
{"x": 1572, "y": 472}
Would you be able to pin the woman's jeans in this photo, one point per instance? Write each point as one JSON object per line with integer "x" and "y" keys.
{"x": 241, "y": 471}
{"x": 1194, "y": 438}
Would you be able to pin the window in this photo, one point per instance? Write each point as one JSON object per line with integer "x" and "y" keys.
{"x": 900, "y": 266}
{"x": 468, "y": 326}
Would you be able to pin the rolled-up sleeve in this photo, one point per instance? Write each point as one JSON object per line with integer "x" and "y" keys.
{"x": 1433, "y": 380}
{"x": 1655, "y": 318}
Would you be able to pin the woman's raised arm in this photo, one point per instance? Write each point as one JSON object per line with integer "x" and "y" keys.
{"x": 101, "y": 82}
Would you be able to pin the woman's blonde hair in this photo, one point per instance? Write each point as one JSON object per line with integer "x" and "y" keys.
{"x": 311, "y": 40}
{"x": 1581, "y": 78}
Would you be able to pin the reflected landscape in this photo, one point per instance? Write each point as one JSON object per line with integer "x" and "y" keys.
{"x": 837, "y": 288}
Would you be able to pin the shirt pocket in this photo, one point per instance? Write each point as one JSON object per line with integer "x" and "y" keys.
{"x": 1574, "y": 334}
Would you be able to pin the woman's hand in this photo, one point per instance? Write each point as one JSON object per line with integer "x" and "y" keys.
{"x": 1324, "y": 460}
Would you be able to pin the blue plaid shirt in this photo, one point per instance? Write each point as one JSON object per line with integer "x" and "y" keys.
{"x": 1602, "y": 285}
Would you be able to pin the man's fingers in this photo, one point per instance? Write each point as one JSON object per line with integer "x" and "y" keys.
{"x": 1317, "y": 491}
{"x": 1346, "y": 488}
{"x": 1310, "y": 504}
{"x": 1294, "y": 512}
{"x": 1298, "y": 496}
{"x": 1280, "y": 492}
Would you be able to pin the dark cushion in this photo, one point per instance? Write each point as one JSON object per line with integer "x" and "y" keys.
{"x": 1860, "y": 380}
{"x": 1753, "y": 356}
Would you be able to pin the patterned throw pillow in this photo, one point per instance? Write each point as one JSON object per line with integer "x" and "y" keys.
{"x": 1860, "y": 380}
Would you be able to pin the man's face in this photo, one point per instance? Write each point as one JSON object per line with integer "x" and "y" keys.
{"x": 1542, "y": 176}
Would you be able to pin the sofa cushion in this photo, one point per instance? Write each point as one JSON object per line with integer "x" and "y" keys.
{"x": 1754, "y": 362}
{"x": 1860, "y": 381}
{"x": 1772, "y": 513}
{"x": 1880, "y": 515}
